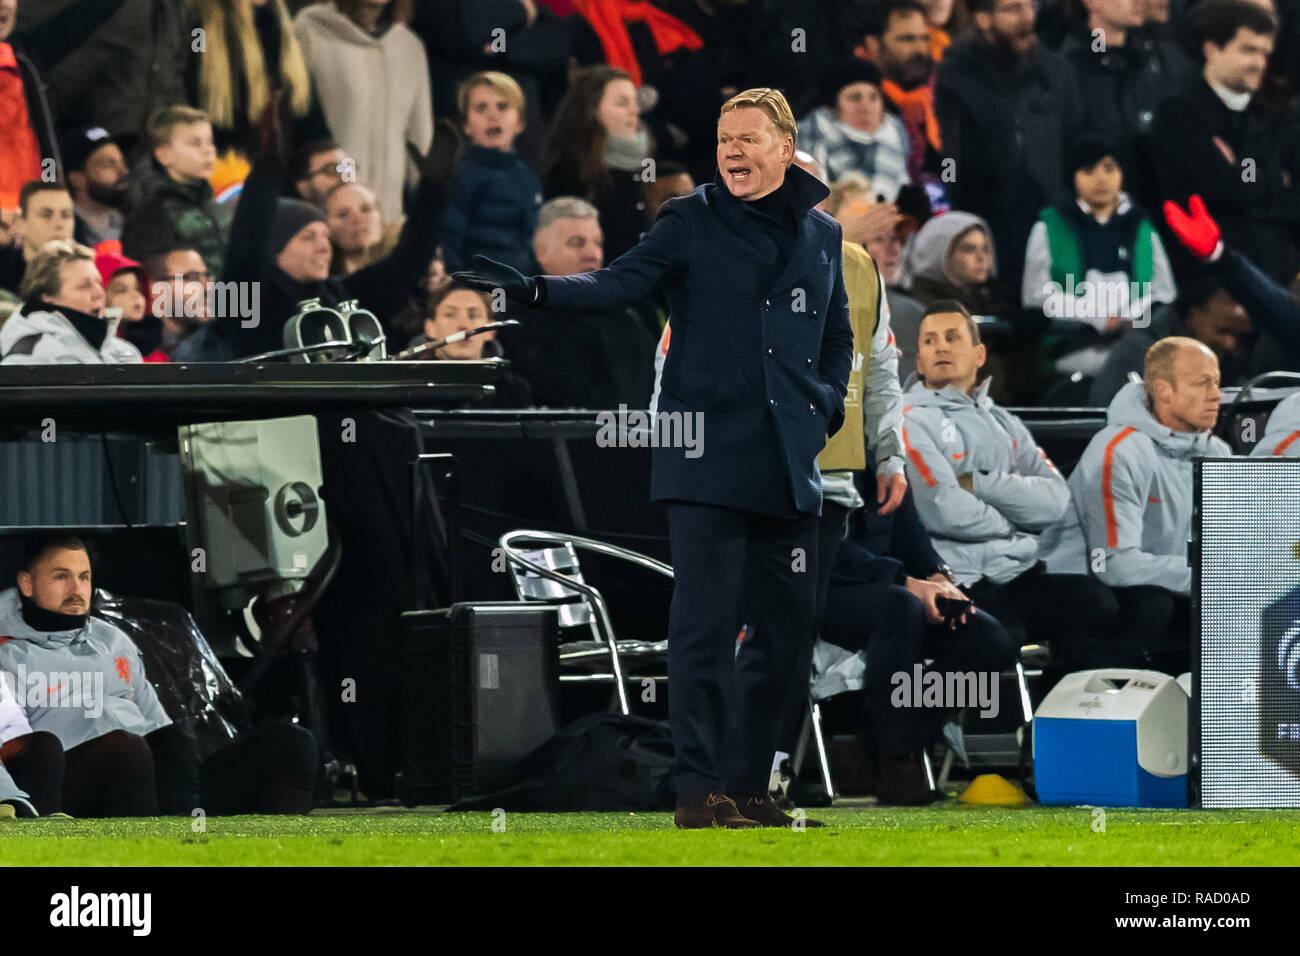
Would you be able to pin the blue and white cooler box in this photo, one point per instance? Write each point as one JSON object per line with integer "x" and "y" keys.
{"x": 1114, "y": 737}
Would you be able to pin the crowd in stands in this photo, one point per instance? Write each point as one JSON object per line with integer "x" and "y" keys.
{"x": 1060, "y": 199}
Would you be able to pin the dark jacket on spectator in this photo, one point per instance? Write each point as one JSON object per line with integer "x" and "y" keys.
{"x": 116, "y": 77}
{"x": 173, "y": 215}
{"x": 1259, "y": 214}
{"x": 1120, "y": 90}
{"x": 380, "y": 287}
{"x": 39, "y": 48}
{"x": 620, "y": 202}
{"x": 493, "y": 210}
{"x": 1006, "y": 123}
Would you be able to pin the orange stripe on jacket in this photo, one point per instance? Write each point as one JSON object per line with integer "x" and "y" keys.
{"x": 926, "y": 475}
{"x": 1107, "y": 496}
{"x": 1285, "y": 443}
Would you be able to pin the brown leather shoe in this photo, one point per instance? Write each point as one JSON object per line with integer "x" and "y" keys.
{"x": 900, "y": 782}
{"x": 711, "y": 810}
{"x": 768, "y": 814}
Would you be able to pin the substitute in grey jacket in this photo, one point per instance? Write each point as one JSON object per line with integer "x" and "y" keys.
{"x": 78, "y": 684}
{"x": 1282, "y": 434}
{"x": 1130, "y": 511}
{"x": 992, "y": 530}
{"x": 39, "y": 334}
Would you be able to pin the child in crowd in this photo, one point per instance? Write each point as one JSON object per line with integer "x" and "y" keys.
{"x": 124, "y": 282}
{"x": 1096, "y": 259}
{"x": 176, "y": 207}
{"x": 494, "y": 206}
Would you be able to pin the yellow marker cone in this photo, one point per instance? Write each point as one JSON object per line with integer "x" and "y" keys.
{"x": 993, "y": 789}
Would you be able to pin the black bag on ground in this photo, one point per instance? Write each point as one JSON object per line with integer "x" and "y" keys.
{"x": 599, "y": 762}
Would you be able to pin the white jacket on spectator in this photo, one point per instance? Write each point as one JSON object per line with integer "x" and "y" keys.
{"x": 375, "y": 94}
{"x": 47, "y": 337}
{"x": 992, "y": 530}
{"x": 53, "y": 669}
{"x": 13, "y": 720}
{"x": 1282, "y": 434}
{"x": 1130, "y": 509}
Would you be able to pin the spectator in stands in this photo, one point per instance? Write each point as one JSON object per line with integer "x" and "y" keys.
{"x": 124, "y": 281}
{"x": 27, "y": 112}
{"x": 1006, "y": 107}
{"x": 249, "y": 52}
{"x": 597, "y": 149}
{"x": 1098, "y": 258}
{"x": 316, "y": 168}
{"x": 1123, "y": 74}
{"x": 1131, "y": 493}
{"x": 1214, "y": 141}
{"x": 358, "y": 234}
{"x": 284, "y": 247}
{"x": 852, "y": 132}
{"x": 577, "y": 360}
{"x": 985, "y": 490}
{"x": 903, "y": 45}
{"x": 97, "y": 177}
{"x": 123, "y": 755}
{"x": 882, "y": 600}
{"x": 493, "y": 210}
{"x": 176, "y": 206}
{"x": 945, "y": 19}
{"x": 952, "y": 257}
{"x": 1204, "y": 311}
{"x": 1282, "y": 433}
{"x": 180, "y": 306}
{"x": 31, "y": 762}
{"x": 45, "y": 213}
{"x": 61, "y": 318}
{"x": 372, "y": 78}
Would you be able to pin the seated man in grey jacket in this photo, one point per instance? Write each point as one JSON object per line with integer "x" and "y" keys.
{"x": 985, "y": 490}
{"x": 81, "y": 679}
{"x": 1131, "y": 502}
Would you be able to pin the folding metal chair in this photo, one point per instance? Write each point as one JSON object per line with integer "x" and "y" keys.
{"x": 544, "y": 567}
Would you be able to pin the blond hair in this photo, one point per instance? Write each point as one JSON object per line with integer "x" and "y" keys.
{"x": 1158, "y": 365}
{"x": 217, "y": 87}
{"x": 164, "y": 120}
{"x": 503, "y": 84}
{"x": 43, "y": 278}
{"x": 770, "y": 101}
{"x": 844, "y": 187}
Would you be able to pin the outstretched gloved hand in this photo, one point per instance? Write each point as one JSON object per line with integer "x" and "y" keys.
{"x": 1197, "y": 230}
{"x": 488, "y": 275}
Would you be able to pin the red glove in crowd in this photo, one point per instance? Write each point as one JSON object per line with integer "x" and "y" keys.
{"x": 1197, "y": 231}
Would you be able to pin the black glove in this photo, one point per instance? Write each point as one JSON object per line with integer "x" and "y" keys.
{"x": 488, "y": 275}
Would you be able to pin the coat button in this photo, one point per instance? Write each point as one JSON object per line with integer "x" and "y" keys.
{"x": 767, "y": 302}
{"x": 809, "y": 363}
{"x": 772, "y": 402}
{"x": 812, "y": 408}
{"x": 769, "y": 351}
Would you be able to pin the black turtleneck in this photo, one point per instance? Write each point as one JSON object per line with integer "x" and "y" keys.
{"x": 776, "y": 205}
{"x": 39, "y": 619}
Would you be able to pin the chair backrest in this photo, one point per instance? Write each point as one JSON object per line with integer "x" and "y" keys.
{"x": 531, "y": 586}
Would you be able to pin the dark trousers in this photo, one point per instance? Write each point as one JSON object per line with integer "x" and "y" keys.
{"x": 726, "y": 708}
{"x": 1068, "y": 612}
{"x": 1157, "y": 630}
{"x": 35, "y": 761}
{"x": 889, "y": 623}
{"x": 830, "y": 532}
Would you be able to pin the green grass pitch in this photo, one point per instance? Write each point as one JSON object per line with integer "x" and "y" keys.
{"x": 949, "y": 834}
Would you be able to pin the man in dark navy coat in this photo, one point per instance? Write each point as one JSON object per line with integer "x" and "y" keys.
{"x": 760, "y": 361}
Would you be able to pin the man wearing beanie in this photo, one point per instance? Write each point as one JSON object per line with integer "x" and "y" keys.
{"x": 1097, "y": 259}
{"x": 852, "y": 132}
{"x": 97, "y": 178}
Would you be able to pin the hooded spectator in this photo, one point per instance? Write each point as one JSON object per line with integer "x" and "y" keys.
{"x": 61, "y": 319}
{"x": 852, "y": 132}
{"x": 952, "y": 257}
{"x": 372, "y": 78}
